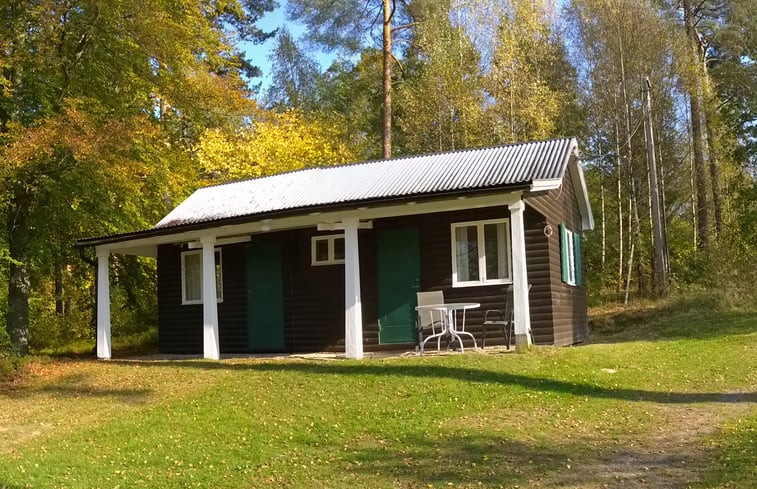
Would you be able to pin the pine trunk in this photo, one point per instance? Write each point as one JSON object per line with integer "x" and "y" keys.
{"x": 387, "y": 52}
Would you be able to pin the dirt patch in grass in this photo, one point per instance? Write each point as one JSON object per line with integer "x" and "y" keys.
{"x": 674, "y": 455}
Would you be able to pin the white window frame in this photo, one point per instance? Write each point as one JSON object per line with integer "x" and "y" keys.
{"x": 219, "y": 281}
{"x": 330, "y": 238}
{"x": 504, "y": 251}
{"x": 569, "y": 239}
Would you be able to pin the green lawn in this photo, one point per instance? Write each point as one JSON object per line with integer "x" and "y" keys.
{"x": 669, "y": 400}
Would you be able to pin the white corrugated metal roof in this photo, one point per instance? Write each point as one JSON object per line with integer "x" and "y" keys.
{"x": 500, "y": 166}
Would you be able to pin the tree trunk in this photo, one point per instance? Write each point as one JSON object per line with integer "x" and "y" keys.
{"x": 602, "y": 212}
{"x": 700, "y": 178}
{"x": 387, "y": 52}
{"x": 696, "y": 128}
{"x": 692, "y": 187}
{"x": 663, "y": 216}
{"x": 17, "y": 319}
{"x": 60, "y": 308}
{"x": 619, "y": 175}
{"x": 661, "y": 279}
{"x": 717, "y": 205}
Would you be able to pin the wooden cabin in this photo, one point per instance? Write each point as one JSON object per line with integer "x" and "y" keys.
{"x": 331, "y": 258}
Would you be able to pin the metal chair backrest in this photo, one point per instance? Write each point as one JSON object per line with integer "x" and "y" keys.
{"x": 426, "y": 316}
{"x": 509, "y": 305}
{"x": 509, "y": 299}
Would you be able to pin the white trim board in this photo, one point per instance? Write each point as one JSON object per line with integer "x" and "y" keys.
{"x": 138, "y": 245}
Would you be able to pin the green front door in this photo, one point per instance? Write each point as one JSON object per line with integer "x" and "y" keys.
{"x": 399, "y": 271}
{"x": 265, "y": 297}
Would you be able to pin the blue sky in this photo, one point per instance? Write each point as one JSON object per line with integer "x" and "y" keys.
{"x": 258, "y": 54}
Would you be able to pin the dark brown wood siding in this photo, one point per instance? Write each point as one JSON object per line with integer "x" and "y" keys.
{"x": 539, "y": 272}
{"x": 180, "y": 326}
{"x": 569, "y": 315}
{"x": 314, "y": 295}
{"x": 436, "y": 272}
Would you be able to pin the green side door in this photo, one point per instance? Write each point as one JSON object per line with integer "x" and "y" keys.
{"x": 265, "y": 297}
{"x": 399, "y": 271}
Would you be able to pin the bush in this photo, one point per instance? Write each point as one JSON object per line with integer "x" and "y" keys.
{"x": 11, "y": 365}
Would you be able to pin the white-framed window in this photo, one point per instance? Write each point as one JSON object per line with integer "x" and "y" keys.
{"x": 481, "y": 253}
{"x": 327, "y": 250}
{"x": 570, "y": 254}
{"x": 191, "y": 276}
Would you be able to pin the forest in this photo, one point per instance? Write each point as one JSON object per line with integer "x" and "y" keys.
{"x": 111, "y": 113}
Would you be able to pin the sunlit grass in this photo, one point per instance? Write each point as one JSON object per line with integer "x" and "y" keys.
{"x": 548, "y": 417}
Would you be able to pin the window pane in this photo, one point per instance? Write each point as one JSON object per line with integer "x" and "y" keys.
{"x": 322, "y": 250}
{"x": 466, "y": 244}
{"x": 338, "y": 248}
{"x": 219, "y": 277}
{"x": 494, "y": 249}
{"x": 192, "y": 277}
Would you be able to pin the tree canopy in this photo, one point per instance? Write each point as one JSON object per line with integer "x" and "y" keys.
{"x": 112, "y": 112}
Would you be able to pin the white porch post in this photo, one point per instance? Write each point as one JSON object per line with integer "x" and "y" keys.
{"x": 520, "y": 278}
{"x": 103, "y": 304}
{"x": 210, "y": 345}
{"x": 353, "y": 311}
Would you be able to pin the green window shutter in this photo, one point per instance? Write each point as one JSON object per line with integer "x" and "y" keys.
{"x": 564, "y": 263}
{"x": 577, "y": 256}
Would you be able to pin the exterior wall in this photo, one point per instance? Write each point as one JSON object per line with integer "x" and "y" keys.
{"x": 314, "y": 295}
{"x": 436, "y": 270}
{"x": 540, "y": 277}
{"x": 180, "y": 326}
{"x": 436, "y": 273}
{"x": 569, "y": 314}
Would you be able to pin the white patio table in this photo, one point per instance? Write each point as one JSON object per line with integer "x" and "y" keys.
{"x": 450, "y": 326}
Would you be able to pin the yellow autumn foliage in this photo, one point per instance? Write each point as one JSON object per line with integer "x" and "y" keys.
{"x": 274, "y": 143}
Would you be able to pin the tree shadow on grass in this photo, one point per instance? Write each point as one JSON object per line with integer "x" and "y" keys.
{"x": 470, "y": 460}
{"x": 490, "y": 459}
{"x": 77, "y": 386}
{"x": 4, "y": 485}
{"x": 465, "y": 374}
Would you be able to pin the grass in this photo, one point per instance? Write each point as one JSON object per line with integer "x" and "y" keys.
{"x": 133, "y": 343}
{"x": 668, "y": 400}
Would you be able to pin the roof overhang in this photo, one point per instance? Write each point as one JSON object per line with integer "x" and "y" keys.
{"x": 582, "y": 194}
{"x": 145, "y": 243}
{"x": 579, "y": 184}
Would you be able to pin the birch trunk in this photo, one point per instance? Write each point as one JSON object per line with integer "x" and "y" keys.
{"x": 695, "y": 107}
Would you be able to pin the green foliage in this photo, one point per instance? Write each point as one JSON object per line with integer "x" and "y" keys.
{"x": 100, "y": 104}
{"x": 442, "y": 60}
{"x": 351, "y": 91}
{"x": 341, "y": 25}
{"x": 294, "y": 77}
{"x": 11, "y": 366}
